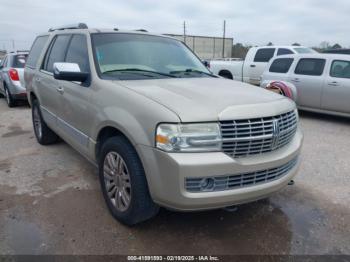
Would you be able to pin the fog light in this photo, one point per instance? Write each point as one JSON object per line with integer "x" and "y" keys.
{"x": 207, "y": 184}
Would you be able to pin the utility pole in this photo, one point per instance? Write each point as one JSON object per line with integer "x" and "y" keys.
{"x": 185, "y": 32}
{"x": 13, "y": 45}
{"x": 223, "y": 40}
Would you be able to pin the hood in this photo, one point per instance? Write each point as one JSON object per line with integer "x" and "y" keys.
{"x": 210, "y": 99}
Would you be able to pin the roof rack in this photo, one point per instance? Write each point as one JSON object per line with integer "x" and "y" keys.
{"x": 72, "y": 26}
{"x": 142, "y": 30}
{"x": 18, "y": 51}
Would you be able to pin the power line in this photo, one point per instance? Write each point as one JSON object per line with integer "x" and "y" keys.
{"x": 223, "y": 40}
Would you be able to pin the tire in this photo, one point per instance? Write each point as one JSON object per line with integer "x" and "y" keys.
{"x": 226, "y": 74}
{"x": 9, "y": 99}
{"x": 44, "y": 135}
{"x": 134, "y": 203}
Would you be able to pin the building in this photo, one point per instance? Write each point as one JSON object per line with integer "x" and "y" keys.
{"x": 2, "y": 54}
{"x": 207, "y": 47}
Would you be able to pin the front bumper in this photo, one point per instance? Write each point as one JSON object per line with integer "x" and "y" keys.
{"x": 166, "y": 174}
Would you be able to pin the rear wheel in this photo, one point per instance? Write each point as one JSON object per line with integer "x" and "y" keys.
{"x": 123, "y": 182}
{"x": 43, "y": 134}
{"x": 9, "y": 99}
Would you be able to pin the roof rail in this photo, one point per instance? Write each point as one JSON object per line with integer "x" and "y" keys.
{"x": 142, "y": 30}
{"x": 72, "y": 26}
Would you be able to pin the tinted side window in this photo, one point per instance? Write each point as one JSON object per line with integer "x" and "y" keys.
{"x": 310, "y": 66}
{"x": 281, "y": 65}
{"x": 36, "y": 50}
{"x": 284, "y": 51}
{"x": 264, "y": 55}
{"x": 78, "y": 53}
{"x": 340, "y": 69}
{"x": 57, "y": 52}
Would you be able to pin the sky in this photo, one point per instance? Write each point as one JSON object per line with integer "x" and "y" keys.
{"x": 253, "y": 22}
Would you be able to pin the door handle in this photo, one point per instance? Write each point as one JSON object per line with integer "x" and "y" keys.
{"x": 295, "y": 80}
{"x": 252, "y": 65}
{"x": 334, "y": 83}
{"x": 60, "y": 90}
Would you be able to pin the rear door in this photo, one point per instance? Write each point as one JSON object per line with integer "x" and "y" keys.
{"x": 278, "y": 70}
{"x": 336, "y": 94}
{"x": 308, "y": 78}
{"x": 257, "y": 67}
{"x": 76, "y": 118}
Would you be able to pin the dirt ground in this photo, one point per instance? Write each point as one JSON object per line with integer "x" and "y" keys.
{"x": 50, "y": 203}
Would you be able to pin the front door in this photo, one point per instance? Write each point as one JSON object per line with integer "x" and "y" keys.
{"x": 50, "y": 88}
{"x": 76, "y": 117}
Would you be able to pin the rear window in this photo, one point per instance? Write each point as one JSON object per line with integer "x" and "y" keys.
{"x": 36, "y": 50}
{"x": 19, "y": 61}
{"x": 304, "y": 50}
{"x": 284, "y": 51}
{"x": 264, "y": 55}
{"x": 281, "y": 65}
{"x": 310, "y": 66}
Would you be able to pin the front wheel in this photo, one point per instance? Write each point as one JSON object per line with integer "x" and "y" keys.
{"x": 123, "y": 182}
{"x": 44, "y": 135}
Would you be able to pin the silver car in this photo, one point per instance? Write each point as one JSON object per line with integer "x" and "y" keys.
{"x": 162, "y": 130}
{"x": 11, "y": 77}
{"x": 321, "y": 81}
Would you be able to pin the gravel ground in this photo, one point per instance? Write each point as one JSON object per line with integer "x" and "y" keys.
{"x": 50, "y": 203}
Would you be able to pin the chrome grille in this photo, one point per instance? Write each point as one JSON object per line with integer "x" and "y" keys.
{"x": 259, "y": 135}
{"x": 222, "y": 183}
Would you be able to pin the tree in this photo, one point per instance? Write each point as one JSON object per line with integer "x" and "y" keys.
{"x": 324, "y": 45}
{"x": 239, "y": 50}
{"x": 270, "y": 44}
{"x": 336, "y": 46}
{"x": 296, "y": 44}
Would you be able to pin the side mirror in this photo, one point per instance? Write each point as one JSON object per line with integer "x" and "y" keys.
{"x": 206, "y": 63}
{"x": 69, "y": 72}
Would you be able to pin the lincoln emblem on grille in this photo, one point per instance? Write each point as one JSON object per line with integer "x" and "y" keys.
{"x": 275, "y": 133}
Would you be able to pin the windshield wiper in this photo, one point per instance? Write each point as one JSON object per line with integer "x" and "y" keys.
{"x": 138, "y": 70}
{"x": 192, "y": 71}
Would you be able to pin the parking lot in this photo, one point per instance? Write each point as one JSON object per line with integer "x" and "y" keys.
{"x": 50, "y": 203}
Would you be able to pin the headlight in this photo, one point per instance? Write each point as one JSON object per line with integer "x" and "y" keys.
{"x": 296, "y": 114}
{"x": 188, "y": 137}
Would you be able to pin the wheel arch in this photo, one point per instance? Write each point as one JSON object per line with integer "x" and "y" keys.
{"x": 225, "y": 73}
{"x": 107, "y": 132}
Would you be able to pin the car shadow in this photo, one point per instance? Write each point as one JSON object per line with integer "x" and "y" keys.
{"x": 325, "y": 117}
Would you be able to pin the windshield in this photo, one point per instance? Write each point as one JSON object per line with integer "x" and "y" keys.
{"x": 136, "y": 56}
{"x": 304, "y": 50}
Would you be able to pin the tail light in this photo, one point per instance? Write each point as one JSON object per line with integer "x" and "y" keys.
{"x": 13, "y": 74}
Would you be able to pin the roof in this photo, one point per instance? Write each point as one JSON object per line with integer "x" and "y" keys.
{"x": 103, "y": 30}
{"x": 316, "y": 55}
{"x": 281, "y": 46}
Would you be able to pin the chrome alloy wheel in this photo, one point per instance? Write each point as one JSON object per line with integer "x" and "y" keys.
{"x": 37, "y": 122}
{"x": 117, "y": 181}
